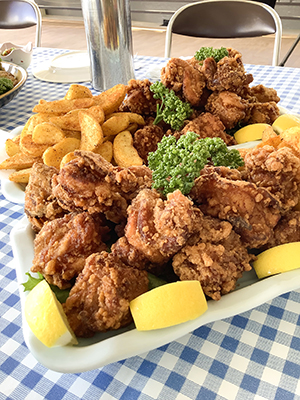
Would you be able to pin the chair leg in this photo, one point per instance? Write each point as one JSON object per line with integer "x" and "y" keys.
{"x": 292, "y": 48}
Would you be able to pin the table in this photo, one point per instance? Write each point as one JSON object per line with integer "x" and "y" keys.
{"x": 254, "y": 355}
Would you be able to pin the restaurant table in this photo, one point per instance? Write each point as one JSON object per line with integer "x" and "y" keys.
{"x": 253, "y": 355}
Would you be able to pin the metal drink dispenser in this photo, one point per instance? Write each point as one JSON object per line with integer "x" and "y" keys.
{"x": 109, "y": 41}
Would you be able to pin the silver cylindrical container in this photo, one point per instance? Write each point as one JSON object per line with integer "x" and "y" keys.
{"x": 109, "y": 41}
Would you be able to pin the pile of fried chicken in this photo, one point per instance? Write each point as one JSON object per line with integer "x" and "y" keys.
{"x": 100, "y": 229}
{"x": 219, "y": 93}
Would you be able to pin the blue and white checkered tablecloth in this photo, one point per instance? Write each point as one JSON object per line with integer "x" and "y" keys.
{"x": 254, "y": 355}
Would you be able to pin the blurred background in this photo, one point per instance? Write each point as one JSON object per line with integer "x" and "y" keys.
{"x": 63, "y": 28}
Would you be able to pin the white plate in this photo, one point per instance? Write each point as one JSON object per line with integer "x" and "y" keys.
{"x": 70, "y": 67}
{"x": 11, "y": 191}
{"x": 114, "y": 346}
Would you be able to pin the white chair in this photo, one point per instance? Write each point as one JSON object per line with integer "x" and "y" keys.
{"x": 19, "y": 14}
{"x": 226, "y": 19}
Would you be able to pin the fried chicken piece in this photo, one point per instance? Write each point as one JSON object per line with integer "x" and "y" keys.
{"x": 145, "y": 140}
{"x": 99, "y": 300}
{"x": 187, "y": 81}
{"x": 139, "y": 98}
{"x": 207, "y": 125}
{"x": 227, "y": 106}
{"x": 157, "y": 228}
{"x": 233, "y": 53}
{"x": 253, "y": 211}
{"x": 133, "y": 257}
{"x": 90, "y": 183}
{"x": 62, "y": 245}
{"x": 228, "y": 74}
{"x": 40, "y": 204}
{"x": 130, "y": 181}
{"x": 205, "y": 228}
{"x": 277, "y": 170}
{"x": 264, "y": 94}
{"x": 77, "y": 182}
{"x": 210, "y": 229}
{"x": 217, "y": 262}
{"x": 287, "y": 230}
{"x": 264, "y": 113}
{"x": 128, "y": 254}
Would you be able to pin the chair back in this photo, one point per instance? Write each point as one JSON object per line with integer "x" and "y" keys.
{"x": 19, "y": 14}
{"x": 226, "y": 19}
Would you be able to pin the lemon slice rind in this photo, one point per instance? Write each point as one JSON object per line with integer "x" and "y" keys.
{"x": 46, "y": 318}
{"x": 250, "y": 133}
{"x": 278, "y": 259}
{"x": 168, "y": 305}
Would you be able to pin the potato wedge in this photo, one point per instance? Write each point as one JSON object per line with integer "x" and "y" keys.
{"x": 106, "y": 151}
{"x": 111, "y": 99}
{"x": 133, "y": 127}
{"x": 115, "y": 125}
{"x": 33, "y": 121}
{"x": 78, "y": 92}
{"x": 125, "y": 154}
{"x": 20, "y": 161}
{"x": 28, "y": 146}
{"x": 67, "y": 158}
{"x": 16, "y": 139}
{"x": 53, "y": 155}
{"x": 72, "y": 134}
{"x": 47, "y": 133}
{"x": 63, "y": 106}
{"x": 12, "y": 147}
{"x": 91, "y": 132}
{"x": 21, "y": 176}
{"x": 98, "y": 113}
{"x": 70, "y": 120}
{"x": 133, "y": 117}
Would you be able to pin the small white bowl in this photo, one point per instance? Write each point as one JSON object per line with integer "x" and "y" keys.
{"x": 20, "y": 55}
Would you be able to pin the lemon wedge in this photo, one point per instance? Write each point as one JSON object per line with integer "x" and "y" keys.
{"x": 282, "y": 258}
{"x": 168, "y": 305}
{"x": 46, "y": 318}
{"x": 250, "y": 132}
{"x": 284, "y": 122}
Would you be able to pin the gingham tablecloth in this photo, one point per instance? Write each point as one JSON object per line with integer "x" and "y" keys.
{"x": 254, "y": 355}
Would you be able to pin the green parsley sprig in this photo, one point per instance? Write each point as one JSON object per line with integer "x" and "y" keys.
{"x": 172, "y": 110}
{"x": 207, "y": 52}
{"x": 176, "y": 164}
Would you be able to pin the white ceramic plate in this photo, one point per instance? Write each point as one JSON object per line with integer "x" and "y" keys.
{"x": 117, "y": 345}
{"x": 11, "y": 191}
{"x": 70, "y": 67}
